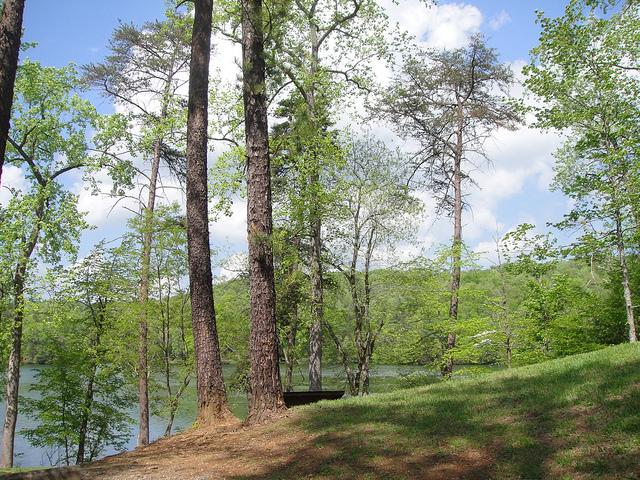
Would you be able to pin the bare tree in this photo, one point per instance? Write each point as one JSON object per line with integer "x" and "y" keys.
{"x": 375, "y": 212}
{"x": 450, "y": 101}
{"x": 144, "y": 71}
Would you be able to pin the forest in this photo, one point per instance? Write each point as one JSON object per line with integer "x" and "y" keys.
{"x": 230, "y": 201}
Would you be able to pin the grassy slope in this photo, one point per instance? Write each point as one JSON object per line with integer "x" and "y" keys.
{"x": 577, "y": 417}
{"x": 574, "y": 418}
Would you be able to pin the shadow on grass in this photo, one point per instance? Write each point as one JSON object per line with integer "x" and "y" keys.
{"x": 564, "y": 419}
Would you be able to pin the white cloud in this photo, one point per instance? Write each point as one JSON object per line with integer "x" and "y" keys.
{"x": 450, "y": 25}
{"x": 500, "y": 20}
{"x": 12, "y": 177}
{"x": 440, "y": 26}
{"x": 101, "y": 208}
{"x": 234, "y": 266}
{"x": 231, "y": 229}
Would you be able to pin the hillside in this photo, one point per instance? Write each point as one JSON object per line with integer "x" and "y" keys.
{"x": 575, "y": 418}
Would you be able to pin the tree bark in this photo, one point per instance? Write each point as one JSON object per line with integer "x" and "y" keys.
{"x": 13, "y": 368}
{"x": 13, "y": 371}
{"x": 10, "y": 33}
{"x": 456, "y": 254}
{"x": 212, "y": 399}
{"x": 143, "y": 367}
{"x": 317, "y": 297}
{"x": 290, "y": 360}
{"x": 88, "y": 401}
{"x": 265, "y": 395}
{"x": 317, "y": 309}
{"x": 628, "y": 299}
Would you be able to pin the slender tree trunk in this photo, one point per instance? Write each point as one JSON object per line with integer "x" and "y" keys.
{"x": 13, "y": 368}
{"x": 364, "y": 388}
{"x": 212, "y": 399}
{"x": 358, "y": 320}
{"x": 317, "y": 315}
{"x": 290, "y": 359}
{"x": 88, "y": 401}
{"x": 13, "y": 371}
{"x": 317, "y": 297}
{"x": 265, "y": 395}
{"x": 10, "y": 33}
{"x": 344, "y": 358}
{"x": 456, "y": 255}
{"x": 175, "y": 401}
{"x": 89, "y": 392}
{"x": 628, "y": 300}
{"x": 369, "y": 341}
{"x": 504, "y": 306}
{"x": 143, "y": 367}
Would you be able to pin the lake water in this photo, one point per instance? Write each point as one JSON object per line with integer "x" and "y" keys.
{"x": 383, "y": 378}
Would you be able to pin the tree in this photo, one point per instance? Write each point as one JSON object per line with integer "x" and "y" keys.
{"x": 375, "y": 213}
{"x": 81, "y": 410}
{"x": 291, "y": 287}
{"x": 143, "y": 73}
{"x": 171, "y": 363}
{"x": 49, "y": 138}
{"x": 557, "y": 314}
{"x": 450, "y": 102}
{"x": 265, "y": 395}
{"x": 212, "y": 400}
{"x": 10, "y": 33}
{"x": 321, "y": 50}
{"x": 584, "y": 80}
{"x": 300, "y": 149}
{"x": 175, "y": 339}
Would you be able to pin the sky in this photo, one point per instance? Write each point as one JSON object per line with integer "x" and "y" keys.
{"x": 514, "y": 189}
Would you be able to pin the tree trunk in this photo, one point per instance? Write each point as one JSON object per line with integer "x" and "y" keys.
{"x": 456, "y": 254}
{"x": 344, "y": 357}
{"x": 265, "y": 395}
{"x": 212, "y": 399}
{"x": 175, "y": 401}
{"x": 88, "y": 401}
{"x": 317, "y": 309}
{"x": 290, "y": 359}
{"x": 10, "y": 33}
{"x": 143, "y": 367}
{"x": 13, "y": 371}
{"x": 13, "y": 368}
{"x": 628, "y": 300}
{"x": 317, "y": 300}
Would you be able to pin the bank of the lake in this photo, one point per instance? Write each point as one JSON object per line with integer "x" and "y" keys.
{"x": 571, "y": 418}
{"x": 384, "y": 378}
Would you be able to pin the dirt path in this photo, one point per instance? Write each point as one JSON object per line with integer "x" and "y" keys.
{"x": 278, "y": 450}
{"x": 220, "y": 452}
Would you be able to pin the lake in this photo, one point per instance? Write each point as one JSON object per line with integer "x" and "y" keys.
{"x": 383, "y": 378}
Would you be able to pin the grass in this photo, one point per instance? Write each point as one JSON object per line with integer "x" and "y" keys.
{"x": 573, "y": 418}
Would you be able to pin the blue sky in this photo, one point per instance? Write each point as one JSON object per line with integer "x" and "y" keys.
{"x": 513, "y": 191}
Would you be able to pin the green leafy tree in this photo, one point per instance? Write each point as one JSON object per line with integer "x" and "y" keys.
{"x": 582, "y": 73}
{"x": 321, "y": 51}
{"x": 172, "y": 335}
{"x": 375, "y": 212}
{"x": 144, "y": 72}
{"x": 82, "y": 410}
{"x": 48, "y": 139}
